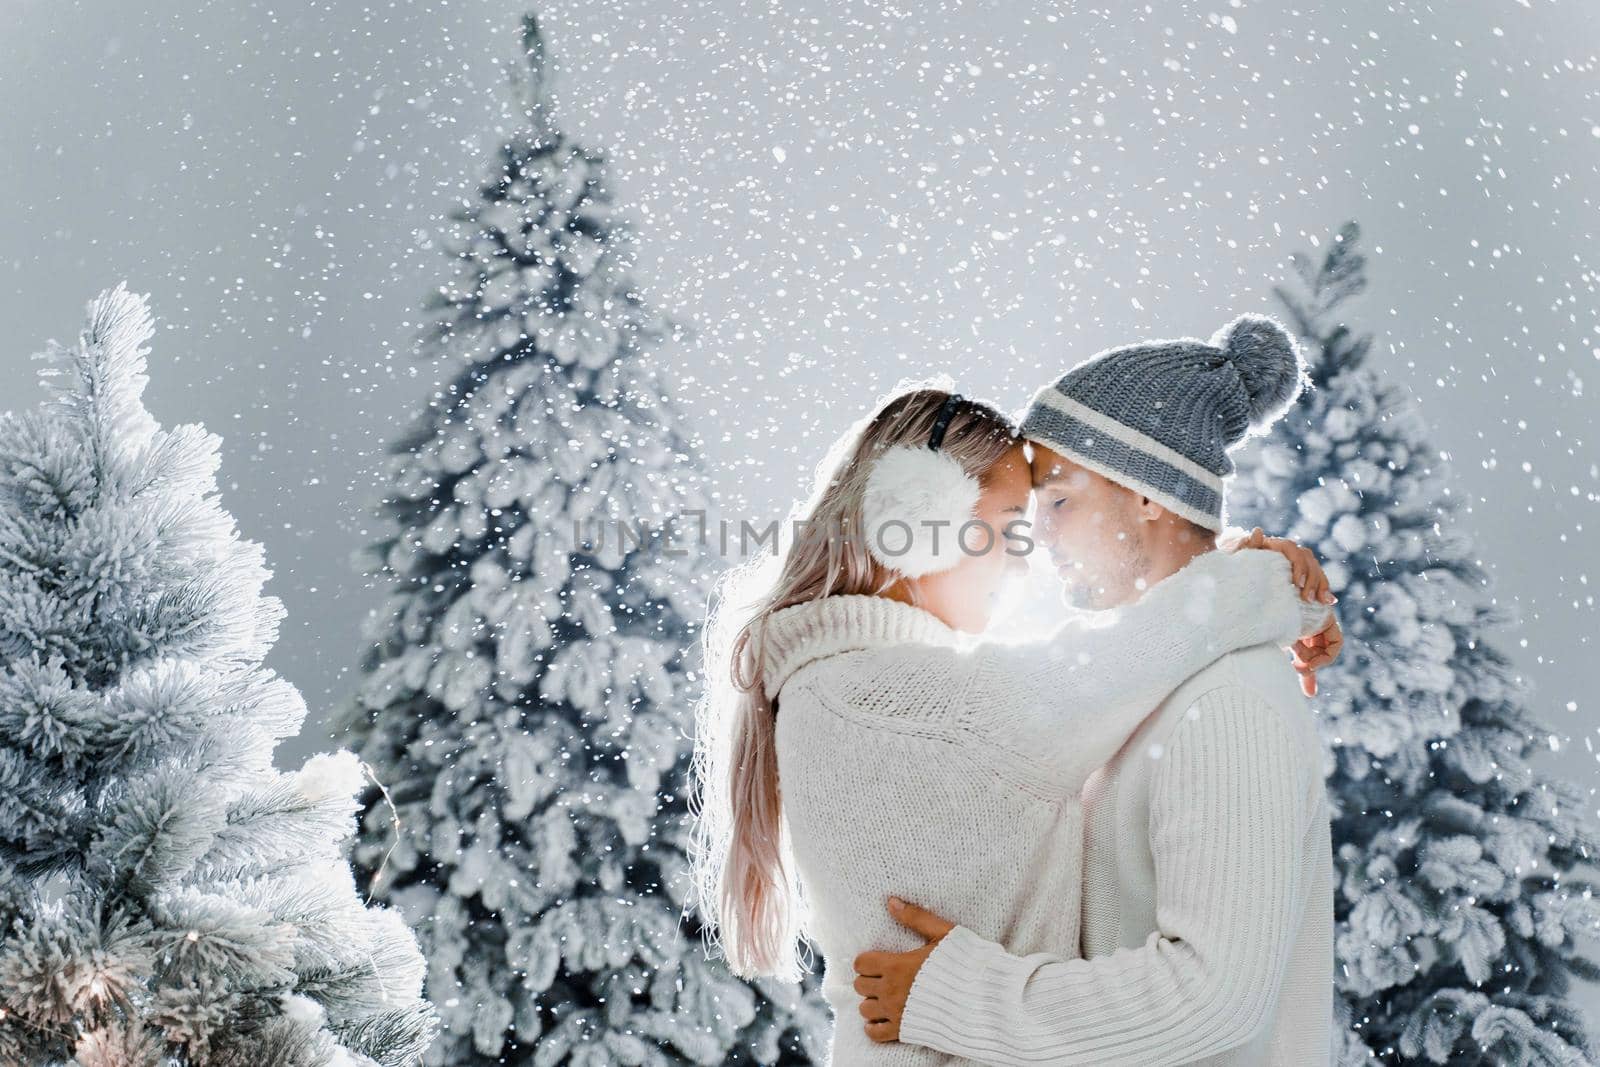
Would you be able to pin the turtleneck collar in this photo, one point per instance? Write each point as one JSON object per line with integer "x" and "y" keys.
{"x": 804, "y": 633}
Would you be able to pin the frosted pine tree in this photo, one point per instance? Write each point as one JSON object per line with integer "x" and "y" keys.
{"x": 167, "y": 899}
{"x": 529, "y": 694}
{"x": 1463, "y": 914}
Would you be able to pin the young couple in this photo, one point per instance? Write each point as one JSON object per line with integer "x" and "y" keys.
{"x": 1125, "y": 816}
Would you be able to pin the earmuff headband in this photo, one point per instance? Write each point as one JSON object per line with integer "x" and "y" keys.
{"x": 911, "y": 489}
{"x": 941, "y": 421}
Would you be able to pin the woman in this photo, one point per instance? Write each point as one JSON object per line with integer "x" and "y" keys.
{"x": 852, "y": 683}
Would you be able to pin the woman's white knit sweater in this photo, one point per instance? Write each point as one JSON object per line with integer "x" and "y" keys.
{"x": 918, "y": 761}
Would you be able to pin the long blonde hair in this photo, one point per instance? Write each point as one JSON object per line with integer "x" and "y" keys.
{"x": 745, "y": 886}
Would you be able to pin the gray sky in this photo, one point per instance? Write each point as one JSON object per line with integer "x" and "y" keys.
{"x": 833, "y": 196}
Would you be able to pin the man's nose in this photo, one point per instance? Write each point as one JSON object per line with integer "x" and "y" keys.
{"x": 1042, "y": 520}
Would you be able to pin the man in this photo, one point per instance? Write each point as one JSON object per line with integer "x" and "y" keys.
{"x": 1207, "y": 917}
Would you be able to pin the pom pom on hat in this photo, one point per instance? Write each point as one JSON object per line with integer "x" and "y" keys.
{"x": 932, "y": 494}
{"x": 1268, "y": 363}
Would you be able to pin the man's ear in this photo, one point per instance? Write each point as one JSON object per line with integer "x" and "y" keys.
{"x": 1149, "y": 510}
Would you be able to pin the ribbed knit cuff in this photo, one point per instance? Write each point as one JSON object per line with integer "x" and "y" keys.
{"x": 1314, "y": 616}
{"x": 1299, "y": 617}
{"x": 961, "y": 967}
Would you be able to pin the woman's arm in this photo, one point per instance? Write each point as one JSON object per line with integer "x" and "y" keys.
{"x": 1074, "y": 697}
{"x": 1307, "y": 573}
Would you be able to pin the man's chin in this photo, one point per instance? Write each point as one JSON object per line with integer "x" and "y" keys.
{"x": 1080, "y": 597}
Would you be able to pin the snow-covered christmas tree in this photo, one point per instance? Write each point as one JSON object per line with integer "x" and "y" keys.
{"x": 1462, "y": 904}
{"x": 528, "y": 697}
{"x": 167, "y": 899}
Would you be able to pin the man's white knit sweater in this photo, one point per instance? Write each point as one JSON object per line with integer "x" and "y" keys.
{"x": 917, "y": 761}
{"x": 1208, "y": 901}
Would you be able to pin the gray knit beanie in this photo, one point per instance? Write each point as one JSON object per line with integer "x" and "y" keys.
{"x": 1160, "y": 417}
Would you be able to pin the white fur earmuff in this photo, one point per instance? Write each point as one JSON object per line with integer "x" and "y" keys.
{"x": 932, "y": 495}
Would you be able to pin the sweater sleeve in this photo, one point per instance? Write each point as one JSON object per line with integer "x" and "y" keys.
{"x": 1227, "y": 822}
{"x": 1079, "y": 693}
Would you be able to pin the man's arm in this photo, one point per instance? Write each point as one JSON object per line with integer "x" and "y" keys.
{"x": 1227, "y": 821}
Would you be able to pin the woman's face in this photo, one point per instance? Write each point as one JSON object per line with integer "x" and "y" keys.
{"x": 964, "y": 596}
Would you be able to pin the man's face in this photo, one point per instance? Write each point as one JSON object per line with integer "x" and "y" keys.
{"x": 1093, "y": 529}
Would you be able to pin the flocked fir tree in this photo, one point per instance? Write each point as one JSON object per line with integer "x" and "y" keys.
{"x": 528, "y": 696}
{"x": 167, "y": 899}
{"x": 1462, "y": 906}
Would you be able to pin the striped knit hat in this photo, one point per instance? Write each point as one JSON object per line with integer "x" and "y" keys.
{"x": 1160, "y": 417}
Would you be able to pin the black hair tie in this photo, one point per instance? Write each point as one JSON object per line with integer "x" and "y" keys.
{"x": 941, "y": 421}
